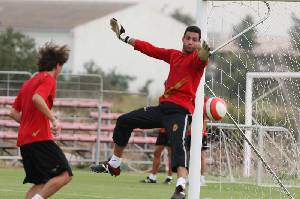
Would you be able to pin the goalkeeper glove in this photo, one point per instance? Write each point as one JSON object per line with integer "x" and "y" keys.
{"x": 119, "y": 30}
{"x": 204, "y": 51}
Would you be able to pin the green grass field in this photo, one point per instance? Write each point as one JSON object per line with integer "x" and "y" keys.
{"x": 127, "y": 186}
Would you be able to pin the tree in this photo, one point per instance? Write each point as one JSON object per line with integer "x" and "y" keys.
{"x": 17, "y": 51}
{"x": 92, "y": 68}
{"x": 145, "y": 88}
{"x": 184, "y": 18}
{"x": 248, "y": 40}
{"x": 111, "y": 80}
{"x": 117, "y": 81}
{"x": 294, "y": 33}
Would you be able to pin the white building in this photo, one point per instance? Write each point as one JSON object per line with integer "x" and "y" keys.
{"x": 84, "y": 27}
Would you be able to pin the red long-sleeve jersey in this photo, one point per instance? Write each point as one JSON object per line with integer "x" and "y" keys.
{"x": 184, "y": 76}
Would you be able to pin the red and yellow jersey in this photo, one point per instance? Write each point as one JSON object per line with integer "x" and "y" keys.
{"x": 185, "y": 73}
{"x": 34, "y": 126}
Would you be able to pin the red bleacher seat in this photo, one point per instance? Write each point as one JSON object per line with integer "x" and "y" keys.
{"x": 142, "y": 140}
{"x": 8, "y": 135}
{"x": 85, "y": 138}
{"x": 74, "y": 126}
{"x": 92, "y": 138}
{"x": 6, "y": 100}
{"x": 70, "y": 126}
{"x": 65, "y": 102}
{"x": 9, "y": 123}
{"x": 65, "y": 125}
{"x": 81, "y": 103}
{"x": 106, "y": 116}
{"x": 4, "y": 112}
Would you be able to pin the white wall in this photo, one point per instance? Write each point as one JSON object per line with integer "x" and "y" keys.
{"x": 59, "y": 38}
{"x": 95, "y": 41}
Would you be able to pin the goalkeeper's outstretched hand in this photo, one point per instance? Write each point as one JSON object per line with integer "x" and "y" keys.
{"x": 119, "y": 30}
{"x": 204, "y": 51}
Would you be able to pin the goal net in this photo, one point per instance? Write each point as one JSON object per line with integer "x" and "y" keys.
{"x": 256, "y": 75}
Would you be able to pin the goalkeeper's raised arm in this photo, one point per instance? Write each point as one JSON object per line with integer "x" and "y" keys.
{"x": 120, "y": 32}
{"x": 142, "y": 46}
{"x": 190, "y": 44}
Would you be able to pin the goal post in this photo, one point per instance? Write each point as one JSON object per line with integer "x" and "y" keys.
{"x": 197, "y": 125}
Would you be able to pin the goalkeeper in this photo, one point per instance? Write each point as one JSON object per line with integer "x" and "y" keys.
{"x": 175, "y": 105}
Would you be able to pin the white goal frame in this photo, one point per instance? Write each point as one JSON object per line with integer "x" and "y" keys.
{"x": 250, "y": 76}
{"x": 197, "y": 125}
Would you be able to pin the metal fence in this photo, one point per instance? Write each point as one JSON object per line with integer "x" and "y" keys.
{"x": 79, "y": 89}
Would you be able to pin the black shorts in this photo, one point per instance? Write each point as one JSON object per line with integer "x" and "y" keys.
{"x": 204, "y": 143}
{"x": 162, "y": 139}
{"x": 172, "y": 117}
{"x": 43, "y": 161}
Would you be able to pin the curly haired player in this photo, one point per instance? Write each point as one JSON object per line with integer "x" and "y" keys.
{"x": 44, "y": 162}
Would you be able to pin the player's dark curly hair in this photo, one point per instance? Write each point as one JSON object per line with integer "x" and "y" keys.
{"x": 50, "y": 55}
{"x": 195, "y": 29}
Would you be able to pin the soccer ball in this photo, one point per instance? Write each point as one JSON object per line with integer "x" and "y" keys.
{"x": 215, "y": 108}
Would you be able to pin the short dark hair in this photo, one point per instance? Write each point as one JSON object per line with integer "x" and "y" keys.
{"x": 50, "y": 55}
{"x": 195, "y": 29}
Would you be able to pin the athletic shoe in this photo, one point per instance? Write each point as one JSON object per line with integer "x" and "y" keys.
{"x": 148, "y": 180}
{"x": 202, "y": 181}
{"x": 104, "y": 167}
{"x": 179, "y": 193}
{"x": 168, "y": 181}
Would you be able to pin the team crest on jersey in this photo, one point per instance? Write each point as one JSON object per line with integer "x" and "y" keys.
{"x": 34, "y": 134}
{"x": 175, "y": 127}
